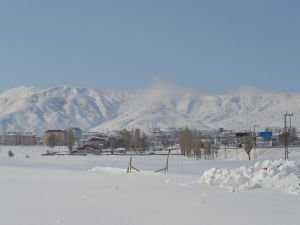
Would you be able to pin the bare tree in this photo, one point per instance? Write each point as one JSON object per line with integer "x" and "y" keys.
{"x": 248, "y": 145}
{"x": 197, "y": 144}
{"x": 125, "y": 139}
{"x": 217, "y": 147}
{"x": 70, "y": 139}
{"x": 144, "y": 142}
{"x": 186, "y": 142}
{"x": 113, "y": 142}
{"x": 51, "y": 141}
{"x": 137, "y": 139}
{"x": 182, "y": 142}
{"x": 207, "y": 150}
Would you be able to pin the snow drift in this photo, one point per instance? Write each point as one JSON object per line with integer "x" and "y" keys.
{"x": 284, "y": 175}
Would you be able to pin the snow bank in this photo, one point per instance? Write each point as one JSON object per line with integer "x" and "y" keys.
{"x": 284, "y": 175}
{"x": 108, "y": 170}
{"x": 114, "y": 170}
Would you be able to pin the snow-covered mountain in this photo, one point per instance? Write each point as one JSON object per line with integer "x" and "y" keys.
{"x": 33, "y": 109}
{"x": 163, "y": 105}
{"x": 160, "y": 105}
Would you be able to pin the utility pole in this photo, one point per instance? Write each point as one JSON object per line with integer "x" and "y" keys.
{"x": 254, "y": 130}
{"x": 287, "y": 119}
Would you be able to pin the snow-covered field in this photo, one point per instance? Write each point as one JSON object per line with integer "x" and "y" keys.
{"x": 90, "y": 190}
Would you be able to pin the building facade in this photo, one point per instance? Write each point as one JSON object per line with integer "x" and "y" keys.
{"x": 54, "y": 138}
{"x": 15, "y": 138}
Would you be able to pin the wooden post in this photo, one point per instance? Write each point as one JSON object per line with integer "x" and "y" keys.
{"x": 130, "y": 166}
{"x": 166, "y": 168}
{"x": 167, "y": 163}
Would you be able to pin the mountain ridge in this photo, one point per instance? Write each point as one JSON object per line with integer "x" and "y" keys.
{"x": 28, "y": 108}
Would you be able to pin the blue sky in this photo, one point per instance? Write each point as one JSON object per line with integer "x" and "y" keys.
{"x": 207, "y": 45}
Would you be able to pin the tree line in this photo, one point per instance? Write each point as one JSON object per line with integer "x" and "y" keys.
{"x": 195, "y": 144}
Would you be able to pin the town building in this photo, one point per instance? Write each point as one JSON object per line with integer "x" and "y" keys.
{"x": 54, "y": 138}
{"x": 16, "y": 138}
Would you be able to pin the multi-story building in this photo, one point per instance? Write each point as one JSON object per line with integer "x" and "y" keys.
{"x": 54, "y": 138}
{"x": 28, "y": 139}
{"x": 12, "y": 138}
{"x": 16, "y": 138}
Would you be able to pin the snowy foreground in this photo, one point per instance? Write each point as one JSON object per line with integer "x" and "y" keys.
{"x": 90, "y": 190}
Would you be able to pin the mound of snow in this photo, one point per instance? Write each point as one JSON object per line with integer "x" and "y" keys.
{"x": 108, "y": 170}
{"x": 114, "y": 170}
{"x": 284, "y": 175}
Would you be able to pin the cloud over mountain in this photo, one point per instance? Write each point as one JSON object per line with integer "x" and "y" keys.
{"x": 160, "y": 105}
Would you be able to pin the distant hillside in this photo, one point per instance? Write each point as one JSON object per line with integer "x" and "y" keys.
{"x": 160, "y": 105}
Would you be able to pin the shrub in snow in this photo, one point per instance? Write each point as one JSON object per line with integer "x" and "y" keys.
{"x": 248, "y": 145}
{"x": 10, "y": 153}
{"x": 278, "y": 174}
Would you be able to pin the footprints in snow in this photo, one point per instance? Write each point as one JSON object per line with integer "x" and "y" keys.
{"x": 170, "y": 181}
